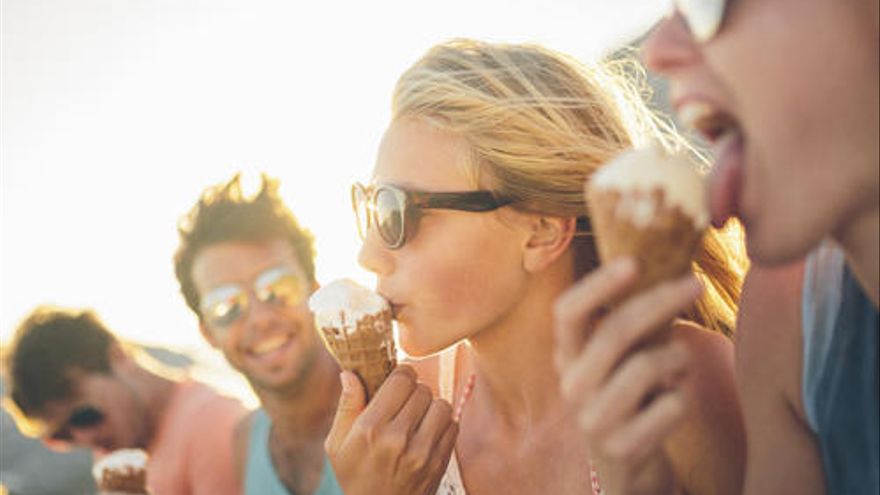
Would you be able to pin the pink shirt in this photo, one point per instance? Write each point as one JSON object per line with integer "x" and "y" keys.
{"x": 191, "y": 453}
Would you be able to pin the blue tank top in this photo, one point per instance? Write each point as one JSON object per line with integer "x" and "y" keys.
{"x": 840, "y": 374}
{"x": 260, "y": 477}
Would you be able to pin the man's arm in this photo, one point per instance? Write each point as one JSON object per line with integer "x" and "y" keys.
{"x": 782, "y": 453}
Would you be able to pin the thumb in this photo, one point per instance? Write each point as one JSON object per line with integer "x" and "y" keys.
{"x": 351, "y": 403}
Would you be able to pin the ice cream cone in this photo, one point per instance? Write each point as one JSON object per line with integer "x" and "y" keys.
{"x": 355, "y": 324}
{"x": 649, "y": 206}
{"x": 368, "y": 351}
{"x": 122, "y": 472}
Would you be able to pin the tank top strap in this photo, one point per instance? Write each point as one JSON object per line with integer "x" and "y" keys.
{"x": 821, "y": 299}
{"x": 448, "y": 367}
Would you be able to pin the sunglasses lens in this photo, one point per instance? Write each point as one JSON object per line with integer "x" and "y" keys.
{"x": 223, "y": 306}
{"x": 389, "y": 217}
{"x": 85, "y": 417}
{"x": 359, "y": 203}
{"x": 703, "y": 17}
{"x": 280, "y": 286}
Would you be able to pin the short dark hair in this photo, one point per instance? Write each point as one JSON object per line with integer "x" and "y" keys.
{"x": 223, "y": 214}
{"x": 49, "y": 344}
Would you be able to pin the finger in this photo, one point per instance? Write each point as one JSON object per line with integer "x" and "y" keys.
{"x": 647, "y": 431}
{"x": 391, "y": 396}
{"x": 433, "y": 424}
{"x": 628, "y": 389}
{"x": 576, "y": 308}
{"x": 444, "y": 446}
{"x": 410, "y": 415}
{"x": 351, "y": 404}
{"x": 622, "y": 329}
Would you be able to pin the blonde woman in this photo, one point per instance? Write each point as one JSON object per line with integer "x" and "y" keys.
{"x": 474, "y": 223}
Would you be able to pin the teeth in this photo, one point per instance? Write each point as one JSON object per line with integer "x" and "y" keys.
{"x": 692, "y": 113}
{"x": 271, "y": 344}
{"x": 709, "y": 121}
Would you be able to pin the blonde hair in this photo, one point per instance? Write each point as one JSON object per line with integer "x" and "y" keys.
{"x": 538, "y": 123}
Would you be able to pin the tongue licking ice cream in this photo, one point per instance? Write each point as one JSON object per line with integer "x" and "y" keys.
{"x": 651, "y": 206}
{"x": 122, "y": 472}
{"x": 355, "y": 324}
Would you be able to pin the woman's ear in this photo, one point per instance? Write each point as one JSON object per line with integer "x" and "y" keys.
{"x": 549, "y": 239}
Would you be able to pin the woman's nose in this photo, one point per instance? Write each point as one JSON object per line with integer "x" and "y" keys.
{"x": 670, "y": 46}
{"x": 374, "y": 255}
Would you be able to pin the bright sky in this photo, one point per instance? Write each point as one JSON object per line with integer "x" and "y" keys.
{"x": 117, "y": 113}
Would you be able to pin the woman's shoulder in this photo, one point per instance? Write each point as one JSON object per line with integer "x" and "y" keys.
{"x": 712, "y": 361}
{"x": 708, "y": 449}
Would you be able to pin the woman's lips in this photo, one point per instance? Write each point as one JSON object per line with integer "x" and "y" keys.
{"x": 396, "y": 310}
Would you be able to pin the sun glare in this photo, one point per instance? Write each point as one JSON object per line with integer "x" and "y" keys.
{"x": 115, "y": 115}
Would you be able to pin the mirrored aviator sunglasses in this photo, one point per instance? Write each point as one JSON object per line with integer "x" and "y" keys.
{"x": 80, "y": 418}
{"x": 280, "y": 285}
{"x": 394, "y": 211}
{"x": 703, "y": 17}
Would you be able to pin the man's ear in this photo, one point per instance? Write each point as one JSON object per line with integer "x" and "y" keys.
{"x": 549, "y": 239}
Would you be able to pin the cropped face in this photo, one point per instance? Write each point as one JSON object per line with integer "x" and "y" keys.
{"x": 104, "y": 413}
{"x": 458, "y": 273}
{"x": 787, "y": 92}
{"x": 253, "y": 308}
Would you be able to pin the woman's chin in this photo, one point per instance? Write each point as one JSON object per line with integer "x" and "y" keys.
{"x": 417, "y": 348}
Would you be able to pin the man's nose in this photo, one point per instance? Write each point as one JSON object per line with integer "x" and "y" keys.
{"x": 85, "y": 437}
{"x": 259, "y": 313}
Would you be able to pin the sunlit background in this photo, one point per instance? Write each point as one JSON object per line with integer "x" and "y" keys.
{"x": 117, "y": 113}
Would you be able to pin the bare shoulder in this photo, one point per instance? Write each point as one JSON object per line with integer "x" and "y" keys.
{"x": 769, "y": 340}
{"x": 708, "y": 450}
{"x": 783, "y": 454}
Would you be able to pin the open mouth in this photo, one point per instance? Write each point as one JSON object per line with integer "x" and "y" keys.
{"x": 724, "y": 134}
{"x": 712, "y": 123}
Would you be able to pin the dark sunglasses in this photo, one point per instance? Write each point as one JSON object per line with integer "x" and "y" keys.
{"x": 395, "y": 211}
{"x": 280, "y": 285}
{"x": 80, "y": 418}
{"x": 703, "y": 17}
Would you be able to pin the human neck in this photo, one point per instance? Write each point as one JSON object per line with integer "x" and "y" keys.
{"x": 516, "y": 379}
{"x": 860, "y": 240}
{"x": 155, "y": 393}
{"x": 305, "y": 414}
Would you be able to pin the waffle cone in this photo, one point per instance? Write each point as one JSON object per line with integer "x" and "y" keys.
{"x": 663, "y": 247}
{"x": 367, "y": 349}
{"x": 127, "y": 481}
